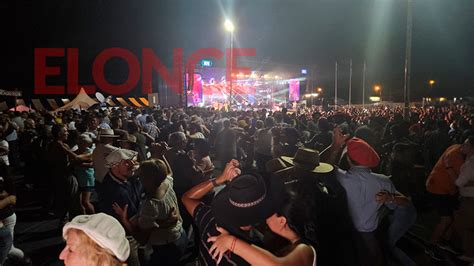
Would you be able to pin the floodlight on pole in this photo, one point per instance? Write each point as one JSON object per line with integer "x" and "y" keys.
{"x": 229, "y": 26}
{"x": 431, "y": 82}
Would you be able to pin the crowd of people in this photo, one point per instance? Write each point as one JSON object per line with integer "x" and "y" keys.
{"x": 167, "y": 186}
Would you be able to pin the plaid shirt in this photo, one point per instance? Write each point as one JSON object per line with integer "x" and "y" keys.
{"x": 151, "y": 129}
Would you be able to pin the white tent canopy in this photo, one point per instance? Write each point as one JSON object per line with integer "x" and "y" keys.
{"x": 82, "y": 101}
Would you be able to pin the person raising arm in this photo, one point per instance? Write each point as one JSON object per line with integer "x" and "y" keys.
{"x": 192, "y": 198}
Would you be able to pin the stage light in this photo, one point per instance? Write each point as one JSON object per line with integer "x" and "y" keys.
{"x": 266, "y": 76}
{"x": 277, "y": 77}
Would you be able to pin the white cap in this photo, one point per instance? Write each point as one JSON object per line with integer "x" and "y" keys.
{"x": 118, "y": 155}
{"x": 105, "y": 230}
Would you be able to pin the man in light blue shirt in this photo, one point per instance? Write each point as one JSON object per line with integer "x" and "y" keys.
{"x": 361, "y": 186}
{"x": 366, "y": 193}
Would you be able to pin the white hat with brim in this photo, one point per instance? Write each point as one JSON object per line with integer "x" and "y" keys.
{"x": 118, "y": 155}
{"x": 107, "y": 133}
{"x": 104, "y": 230}
{"x": 322, "y": 168}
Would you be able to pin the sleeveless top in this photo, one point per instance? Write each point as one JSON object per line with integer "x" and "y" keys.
{"x": 314, "y": 257}
{"x": 312, "y": 248}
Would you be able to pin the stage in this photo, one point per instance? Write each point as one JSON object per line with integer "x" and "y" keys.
{"x": 210, "y": 88}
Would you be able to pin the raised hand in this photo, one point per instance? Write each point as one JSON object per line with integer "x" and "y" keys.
{"x": 159, "y": 149}
{"x": 338, "y": 138}
{"x": 231, "y": 170}
{"x": 121, "y": 212}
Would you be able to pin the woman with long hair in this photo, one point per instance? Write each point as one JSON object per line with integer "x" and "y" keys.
{"x": 84, "y": 173}
{"x": 291, "y": 223}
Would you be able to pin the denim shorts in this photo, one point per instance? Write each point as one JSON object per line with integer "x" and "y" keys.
{"x": 6, "y": 243}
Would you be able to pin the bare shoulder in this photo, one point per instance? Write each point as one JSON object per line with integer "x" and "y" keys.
{"x": 304, "y": 254}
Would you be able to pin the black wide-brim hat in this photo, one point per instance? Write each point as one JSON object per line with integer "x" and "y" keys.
{"x": 248, "y": 199}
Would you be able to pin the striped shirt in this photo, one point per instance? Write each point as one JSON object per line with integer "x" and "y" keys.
{"x": 206, "y": 223}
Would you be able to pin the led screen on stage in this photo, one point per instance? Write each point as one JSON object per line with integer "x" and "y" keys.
{"x": 294, "y": 90}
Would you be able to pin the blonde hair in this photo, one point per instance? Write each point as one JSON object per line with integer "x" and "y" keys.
{"x": 95, "y": 254}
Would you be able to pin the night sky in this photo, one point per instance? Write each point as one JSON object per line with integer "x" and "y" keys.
{"x": 287, "y": 34}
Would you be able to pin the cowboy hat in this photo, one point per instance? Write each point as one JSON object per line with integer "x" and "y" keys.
{"x": 247, "y": 200}
{"x": 107, "y": 132}
{"x": 274, "y": 165}
{"x": 308, "y": 159}
{"x": 277, "y": 168}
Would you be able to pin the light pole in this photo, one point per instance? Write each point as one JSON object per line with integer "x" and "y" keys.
{"x": 407, "y": 70}
{"x": 350, "y": 84}
{"x": 363, "y": 86}
{"x": 335, "y": 87}
{"x": 229, "y": 27}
